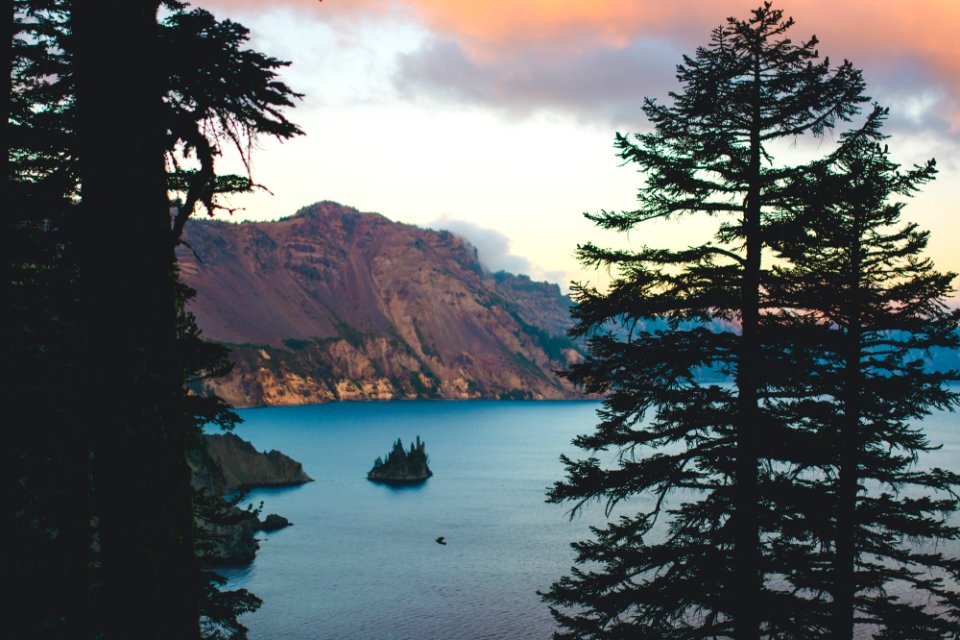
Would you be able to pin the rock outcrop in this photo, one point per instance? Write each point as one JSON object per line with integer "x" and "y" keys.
{"x": 274, "y": 522}
{"x": 243, "y": 467}
{"x": 333, "y": 304}
{"x": 400, "y": 466}
{"x": 226, "y": 535}
{"x": 225, "y": 464}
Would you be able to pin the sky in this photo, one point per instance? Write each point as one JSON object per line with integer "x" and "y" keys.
{"x": 495, "y": 119}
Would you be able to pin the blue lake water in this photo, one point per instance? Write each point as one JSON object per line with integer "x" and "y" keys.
{"x": 361, "y": 560}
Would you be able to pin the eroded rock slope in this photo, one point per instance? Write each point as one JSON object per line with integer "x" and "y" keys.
{"x": 334, "y": 304}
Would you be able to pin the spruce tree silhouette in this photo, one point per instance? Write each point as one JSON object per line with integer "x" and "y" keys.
{"x": 105, "y": 104}
{"x": 700, "y": 450}
{"x": 864, "y": 303}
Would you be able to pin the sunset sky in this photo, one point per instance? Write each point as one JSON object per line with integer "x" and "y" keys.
{"x": 495, "y": 118}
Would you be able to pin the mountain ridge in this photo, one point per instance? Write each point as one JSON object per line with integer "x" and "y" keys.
{"x": 334, "y": 304}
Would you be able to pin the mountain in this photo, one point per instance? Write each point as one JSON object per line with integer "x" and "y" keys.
{"x": 334, "y": 304}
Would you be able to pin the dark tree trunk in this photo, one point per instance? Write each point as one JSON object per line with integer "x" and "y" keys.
{"x": 133, "y": 383}
{"x": 747, "y": 577}
{"x": 849, "y": 445}
{"x": 48, "y": 496}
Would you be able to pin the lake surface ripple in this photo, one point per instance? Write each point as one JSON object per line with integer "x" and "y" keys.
{"x": 361, "y": 560}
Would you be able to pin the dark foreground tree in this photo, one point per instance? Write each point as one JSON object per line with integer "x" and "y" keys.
{"x": 866, "y": 306}
{"x": 141, "y": 481}
{"x": 102, "y": 99}
{"x": 691, "y": 563}
{"x": 47, "y": 452}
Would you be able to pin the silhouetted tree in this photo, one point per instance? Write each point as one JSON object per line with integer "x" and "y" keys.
{"x": 866, "y": 305}
{"x": 48, "y": 451}
{"x": 104, "y": 112}
{"x": 702, "y": 452}
{"x": 141, "y": 480}
{"x": 214, "y": 514}
{"x": 400, "y": 465}
{"x": 231, "y": 99}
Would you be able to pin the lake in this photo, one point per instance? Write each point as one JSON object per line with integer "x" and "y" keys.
{"x": 361, "y": 560}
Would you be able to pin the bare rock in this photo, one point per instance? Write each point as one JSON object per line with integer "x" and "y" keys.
{"x": 242, "y": 466}
{"x": 226, "y": 463}
{"x": 274, "y": 522}
{"x": 334, "y": 304}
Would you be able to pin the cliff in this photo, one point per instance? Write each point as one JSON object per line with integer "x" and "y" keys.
{"x": 226, "y": 534}
{"x": 333, "y": 304}
{"x": 242, "y": 466}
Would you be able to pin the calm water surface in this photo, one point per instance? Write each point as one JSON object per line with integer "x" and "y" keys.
{"x": 361, "y": 560}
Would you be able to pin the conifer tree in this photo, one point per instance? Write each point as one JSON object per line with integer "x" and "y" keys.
{"x": 47, "y": 455}
{"x": 140, "y": 475}
{"x": 866, "y": 305}
{"x": 694, "y": 450}
{"x": 108, "y": 547}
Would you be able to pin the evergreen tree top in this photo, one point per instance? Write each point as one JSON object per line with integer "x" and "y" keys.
{"x": 401, "y": 466}
{"x": 751, "y": 85}
{"x": 740, "y": 512}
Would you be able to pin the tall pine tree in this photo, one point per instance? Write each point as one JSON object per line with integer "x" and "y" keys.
{"x": 866, "y": 306}
{"x": 694, "y": 448}
{"x": 102, "y": 504}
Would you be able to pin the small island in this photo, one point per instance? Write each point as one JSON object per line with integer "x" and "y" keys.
{"x": 402, "y": 467}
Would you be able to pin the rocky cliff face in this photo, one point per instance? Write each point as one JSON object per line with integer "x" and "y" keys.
{"x": 242, "y": 466}
{"x": 226, "y": 534}
{"x": 333, "y": 304}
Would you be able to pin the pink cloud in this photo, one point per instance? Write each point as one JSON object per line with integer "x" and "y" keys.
{"x": 923, "y": 26}
{"x": 491, "y": 32}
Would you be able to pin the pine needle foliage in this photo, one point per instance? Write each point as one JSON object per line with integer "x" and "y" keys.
{"x": 697, "y": 455}
{"x": 859, "y": 295}
{"x": 214, "y": 89}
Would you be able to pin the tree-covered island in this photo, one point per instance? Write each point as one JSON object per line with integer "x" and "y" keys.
{"x": 401, "y": 466}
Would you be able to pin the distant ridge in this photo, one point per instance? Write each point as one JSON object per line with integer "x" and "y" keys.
{"x": 334, "y": 304}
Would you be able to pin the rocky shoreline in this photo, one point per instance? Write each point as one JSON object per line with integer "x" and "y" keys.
{"x": 243, "y": 467}
{"x": 222, "y": 470}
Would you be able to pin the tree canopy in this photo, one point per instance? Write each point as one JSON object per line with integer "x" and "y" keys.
{"x": 864, "y": 306}
{"x": 113, "y": 112}
{"x": 714, "y": 465}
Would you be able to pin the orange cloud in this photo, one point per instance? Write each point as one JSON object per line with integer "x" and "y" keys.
{"x": 868, "y": 32}
{"x": 885, "y": 31}
{"x": 923, "y": 27}
{"x": 506, "y": 24}
{"x": 511, "y": 24}
{"x": 923, "y": 31}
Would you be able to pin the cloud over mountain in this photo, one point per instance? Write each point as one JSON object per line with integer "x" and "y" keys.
{"x": 600, "y": 56}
